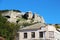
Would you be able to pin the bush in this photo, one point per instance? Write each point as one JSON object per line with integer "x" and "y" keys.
{"x": 7, "y": 29}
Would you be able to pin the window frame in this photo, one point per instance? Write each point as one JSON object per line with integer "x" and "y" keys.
{"x": 25, "y": 35}
{"x": 40, "y": 33}
{"x": 32, "y": 34}
{"x": 50, "y": 35}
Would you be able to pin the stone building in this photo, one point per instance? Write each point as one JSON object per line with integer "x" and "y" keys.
{"x": 38, "y": 31}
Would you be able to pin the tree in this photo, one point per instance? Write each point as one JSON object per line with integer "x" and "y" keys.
{"x": 7, "y": 29}
{"x": 57, "y": 26}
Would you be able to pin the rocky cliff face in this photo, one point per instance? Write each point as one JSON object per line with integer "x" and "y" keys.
{"x": 20, "y": 17}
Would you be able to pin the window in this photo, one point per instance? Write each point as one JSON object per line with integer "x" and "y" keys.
{"x": 41, "y": 34}
{"x": 25, "y": 35}
{"x": 33, "y": 34}
{"x": 51, "y": 34}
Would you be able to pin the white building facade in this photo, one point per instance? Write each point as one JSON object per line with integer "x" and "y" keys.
{"x": 41, "y": 32}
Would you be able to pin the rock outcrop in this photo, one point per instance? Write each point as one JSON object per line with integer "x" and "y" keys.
{"x": 18, "y": 16}
{"x": 11, "y": 15}
{"x": 28, "y": 15}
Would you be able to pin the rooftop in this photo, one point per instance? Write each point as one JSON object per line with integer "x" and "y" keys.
{"x": 35, "y": 26}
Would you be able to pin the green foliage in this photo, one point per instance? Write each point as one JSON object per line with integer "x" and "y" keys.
{"x": 20, "y": 19}
{"x": 26, "y": 24}
{"x": 2, "y": 19}
{"x": 2, "y": 11}
{"x": 57, "y": 26}
{"x": 7, "y": 29}
{"x": 16, "y": 10}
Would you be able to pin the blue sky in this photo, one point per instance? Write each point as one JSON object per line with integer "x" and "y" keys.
{"x": 49, "y": 9}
